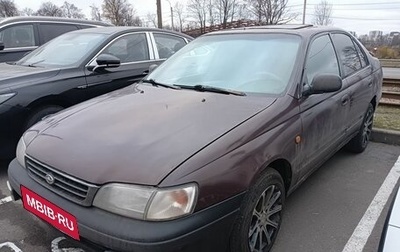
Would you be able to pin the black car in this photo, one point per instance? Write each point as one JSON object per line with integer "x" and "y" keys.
{"x": 74, "y": 67}
{"x": 20, "y": 35}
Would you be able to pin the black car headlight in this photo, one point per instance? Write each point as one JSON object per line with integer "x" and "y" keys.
{"x": 147, "y": 203}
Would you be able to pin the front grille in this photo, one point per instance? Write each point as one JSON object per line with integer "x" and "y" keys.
{"x": 64, "y": 185}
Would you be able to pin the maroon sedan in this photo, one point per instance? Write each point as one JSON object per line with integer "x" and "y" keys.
{"x": 201, "y": 154}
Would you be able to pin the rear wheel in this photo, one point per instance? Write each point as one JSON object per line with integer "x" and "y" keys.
{"x": 260, "y": 216}
{"x": 361, "y": 140}
{"x": 41, "y": 112}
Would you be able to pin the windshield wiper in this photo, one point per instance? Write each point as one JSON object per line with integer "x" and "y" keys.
{"x": 205, "y": 88}
{"x": 34, "y": 63}
{"x": 155, "y": 83}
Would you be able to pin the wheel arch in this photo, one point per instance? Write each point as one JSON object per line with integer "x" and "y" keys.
{"x": 373, "y": 102}
{"x": 283, "y": 167}
{"x": 48, "y": 101}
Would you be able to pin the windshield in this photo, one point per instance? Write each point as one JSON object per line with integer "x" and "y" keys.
{"x": 67, "y": 50}
{"x": 250, "y": 63}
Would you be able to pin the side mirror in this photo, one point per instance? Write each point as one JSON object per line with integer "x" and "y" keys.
{"x": 2, "y": 46}
{"x": 325, "y": 83}
{"x": 106, "y": 61}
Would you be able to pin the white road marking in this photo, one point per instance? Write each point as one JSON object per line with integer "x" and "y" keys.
{"x": 367, "y": 223}
{"x": 11, "y": 246}
{"x": 55, "y": 247}
{"x": 5, "y": 200}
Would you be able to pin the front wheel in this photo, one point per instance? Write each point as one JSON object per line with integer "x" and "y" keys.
{"x": 260, "y": 215}
{"x": 361, "y": 140}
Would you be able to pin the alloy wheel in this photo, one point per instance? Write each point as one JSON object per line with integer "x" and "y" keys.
{"x": 265, "y": 220}
{"x": 367, "y": 128}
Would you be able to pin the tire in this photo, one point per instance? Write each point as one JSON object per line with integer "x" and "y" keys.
{"x": 360, "y": 142}
{"x": 256, "y": 218}
{"x": 38, "y": 114}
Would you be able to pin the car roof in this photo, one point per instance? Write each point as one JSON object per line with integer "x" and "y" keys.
{"x": 18, "y": 19}
{"x": 305, "y": 30}
{"x": 123, "y": 29}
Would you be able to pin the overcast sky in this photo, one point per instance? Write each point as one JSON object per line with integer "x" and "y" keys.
{"x": 355, "y": 15}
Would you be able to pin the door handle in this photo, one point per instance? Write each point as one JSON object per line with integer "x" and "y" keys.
{"x": 146, "y": 72}
{"x": 345, "y": 99}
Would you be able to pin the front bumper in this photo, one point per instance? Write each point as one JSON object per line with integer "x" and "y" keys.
{"x": 206, "y": 230}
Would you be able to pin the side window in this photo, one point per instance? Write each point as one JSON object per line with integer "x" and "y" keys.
{"x": 361, "y": 53}
{"x": 168, "y": 44}
{"x": 130, "y": 48}
{"x": 347, "y": 53}
{"x": 18, "y": 36}
{"x": 50, "y": 31}
{"x": 321, "y": 59}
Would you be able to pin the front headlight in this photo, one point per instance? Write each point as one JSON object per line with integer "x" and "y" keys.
{"x": 147, "y": 203}
{"x": 24, "y": 141}
{"x": 5, "y": 97}
{"x": 20, "y": 153}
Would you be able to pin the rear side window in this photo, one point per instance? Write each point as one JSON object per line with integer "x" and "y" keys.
{"x": 50, "y": 31}
{"x": 363, "y": 57}
{"x": 168, "y": 44}
{"x": 18, "y": 36}
{"x": 321, "y": 59}
{"x": 347, "y": 53}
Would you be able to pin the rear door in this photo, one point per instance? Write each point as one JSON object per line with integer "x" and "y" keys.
{"x": 136, "y": 56}
{"x": 356, "y": 71}
{"x": 322, "y": 114}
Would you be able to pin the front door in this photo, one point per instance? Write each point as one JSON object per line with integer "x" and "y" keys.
{"x": 133, "y": 51}
{"x": 322, "y": 114}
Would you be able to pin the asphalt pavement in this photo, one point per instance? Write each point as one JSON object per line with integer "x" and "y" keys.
{"x": 320, "y": 215}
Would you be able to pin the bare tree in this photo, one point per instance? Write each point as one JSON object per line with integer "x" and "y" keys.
{"x": 323, "y": 13}
{"x": 119, "y": 12}
{"x": 226, "y": 10}
{"x": 27, "y": 12}
{"x": 152, "y": 19}
{"x": 49, "y": 9}
{"x": 198, "y": 9}
{"x": 272, "y": 12}
{"x": 95, "y": 13}
{"x": 255, "y": 7}
{"x": 179, "y": 11}
{"x": 241, "y": 12}
{"x": 130, "y": 18}
{"x": 8, "y": 8}
{"x": 211, "y": 13}
{"x": 71, "y": 11}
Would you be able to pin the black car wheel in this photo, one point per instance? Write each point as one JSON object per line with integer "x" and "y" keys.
{"x": 361, "y": 140}
{"x": 41, "y": 112}
{"x": 260, "y": 216}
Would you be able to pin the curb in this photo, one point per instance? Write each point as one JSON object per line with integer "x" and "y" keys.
{"x": 391, "y": 137}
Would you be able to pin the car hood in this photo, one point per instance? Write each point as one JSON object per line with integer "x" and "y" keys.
{"x": 15, "y": 75}
{"x": 137, "y": 134}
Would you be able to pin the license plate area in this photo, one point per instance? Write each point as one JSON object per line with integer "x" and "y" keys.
{"x": 49, "y": 212}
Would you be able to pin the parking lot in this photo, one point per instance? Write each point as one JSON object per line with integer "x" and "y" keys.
{"x": 321, "y": 215}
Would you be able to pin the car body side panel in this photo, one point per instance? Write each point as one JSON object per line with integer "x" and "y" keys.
{"x": 239, "y": 163}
